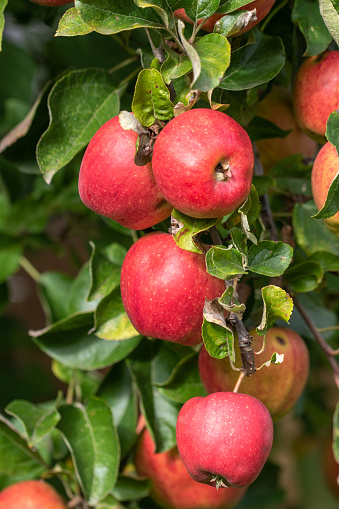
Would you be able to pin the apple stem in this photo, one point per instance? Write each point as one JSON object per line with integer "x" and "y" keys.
{"x": 216, "y": 239}
{"x": 245, "y": 344}
{"x": 240, "y": 379}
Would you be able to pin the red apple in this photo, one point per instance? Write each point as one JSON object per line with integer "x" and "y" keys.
{"x": 203, "y": 163}
{"x": 315, "y": 93}
{"x": 277, "y": 386}
{"x": 225, "y": 438}
{"x": 172, "y": 486}
{"x": 263, "y": 7}
{"x": 52, "y": 3}
{"x": 113, "y": 186}
{"x": 325, "y": 168}
{"x": 163, "y": 289}
{"x": 277, "y": 108}
{"x": 30, "y": 494}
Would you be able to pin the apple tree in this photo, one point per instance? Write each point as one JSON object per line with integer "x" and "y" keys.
{"x": 170, "y": 230}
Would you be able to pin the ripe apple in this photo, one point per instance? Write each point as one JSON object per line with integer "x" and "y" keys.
{"x": 224, "y": 438}
{"x": 172, "y": 486}
{"x": 325, "y": 168}
{"x": 263, "y": 7}
{"x": 277, "y": 108}
{"x": 163, "y": 289}
{"x": 32, "y": 494}
{"x": 277, "y": 386}
{"x": 203, "y": 163}
{"x": 315, "y": 93}
{"x": 52, "y": 3}
{"x": 113, "y": 186}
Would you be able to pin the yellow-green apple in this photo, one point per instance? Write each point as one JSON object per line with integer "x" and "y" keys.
{"x": 325, "y": 168}
{"x": 163, "y": 289}
{"x": 172, "y": 486}
{"x": 203, "y": 163}
{"x": 31, "y": 494}
{"x": 52, "y": 3}
{"x": 315, "y": 93}
{"x": 277, "y": 108}
{"x": 112, "y": 185}
{"x": 225, "y": 438}
{"x": 262, "y": 7}
{"x": 277, "y": 386}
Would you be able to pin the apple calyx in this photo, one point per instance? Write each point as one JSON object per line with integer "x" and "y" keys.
{"x": 223, "y": 171}
{"x": 220, "y": 482}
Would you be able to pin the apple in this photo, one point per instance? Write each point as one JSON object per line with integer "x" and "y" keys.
{"x": 113, "y": 186}
{"x": 325, "y": 168}
{"x": 277, "y": 108}
{"x": 163, "y": 289}
{"x": 172, "y": 486}
{"x": 263, "y": 7}
{"x": 277, "y": 386}
{"x": 224, "y": 438}
{"x": 203, "y": 163}
{"x": 31, "y": 494}
{"x": 52, "y": 3}
{"x": 315, "y": 93}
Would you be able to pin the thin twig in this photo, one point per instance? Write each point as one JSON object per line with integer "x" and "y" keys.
{"x": 328, "y": 351}
{"x": 245, "y": 344}
{"x": 215, "y": 236}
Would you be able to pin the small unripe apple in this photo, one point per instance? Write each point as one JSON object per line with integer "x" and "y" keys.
{"x": 203, "y": 163}
{"x": 325, "y": 168}
{"x": 32, "y": 494}
{"x": 172, "y": 486}
{"x": 52, "y": 3}
{"x": 277, "y": 108}
{"x": 112, "y": 185}
{"x": 277, "y": 386}
{"x": 315, "y": 93}
{"x": 225, "y": 438}
{"x": 163, "y": 289}
{"x": 263, "y": 7}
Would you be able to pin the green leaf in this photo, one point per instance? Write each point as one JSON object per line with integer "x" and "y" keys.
{"x": 73, "y": 321}
{"x": 9, "y": 260}
{"x": 37, "y": 421}
{"x": 109, "y": 502}
{"x": 186, "y": 382}
{"x": 231, "y": 304}
{"x": 277, "y": 304}
{"x": 129, "y": 488}
{"x": 330, "y": 15}
{"x": 191, "y": 52}
{"x": 214, "y": 52}
{"x": 159, "y": 411}
{"x": 162, "y": 7}
{"x": 169, "y": 356}
{"x": 305, "y": 276}
{"x": 17, "y": 460}
{"x": 269, "y": 258}
{"x": 71, "y": 24}
{"x": 119, "y": 393}
{"x": 92, "y": 440}
{"x": 3, "y": 4}
{"x": 306, "y": 15}
{"x": 151, "y": 98}
{"x": 227, "y": 6}
{"x": 77, "y": 299}
{"x": 312, "y": 235}
{"x": 218, "y": 338}
{"x": 233, "y": 22}
{"x": 328, "y": 261}
{"x": 254, "y": 64}
{"x": 105, "y": 275}
{"x": 55, "y": 287}
{"x": 184, "y": 230}
{"x": 261, "y": 129}
{"x": 174, "y": 67}
{"x": 78, "y": 349}
{"x": 79, "y": 104}
{"x": 223, "y": 262}
{"x": 112, "y": 17}
{"x": 111, "y": 320}
{"x": 198, "y": 9}
{"x": 262, "y": 183}
{"x": 331, "y": 206}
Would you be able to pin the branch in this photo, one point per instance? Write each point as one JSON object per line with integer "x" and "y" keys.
{"x": 328, "y": 351}
{"x": 245, "y": 344}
